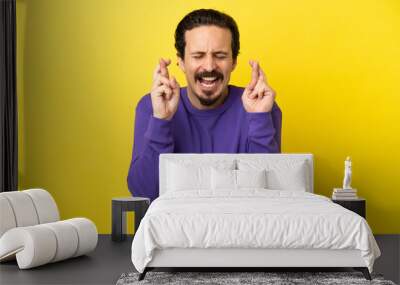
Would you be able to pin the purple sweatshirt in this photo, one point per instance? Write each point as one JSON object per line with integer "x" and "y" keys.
{"x": 229, "y": 128}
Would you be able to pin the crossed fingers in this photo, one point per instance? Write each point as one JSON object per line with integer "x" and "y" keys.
{"x": 161, "y": 74}
{"x": 258, "y": 86}
{"x": 161, "y": 79}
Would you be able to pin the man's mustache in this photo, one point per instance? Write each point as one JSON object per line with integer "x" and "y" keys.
{"x": 212, "y": 73}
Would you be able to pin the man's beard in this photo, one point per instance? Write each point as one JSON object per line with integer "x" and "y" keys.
{"x": 208, "y": 101}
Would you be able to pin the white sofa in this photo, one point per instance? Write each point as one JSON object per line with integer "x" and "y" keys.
{"x": 31, "y": 231}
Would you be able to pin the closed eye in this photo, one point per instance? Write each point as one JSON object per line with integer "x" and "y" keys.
{"x": 217, "y": 55}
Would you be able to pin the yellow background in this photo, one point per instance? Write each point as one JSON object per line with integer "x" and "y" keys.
{"x": 84, "y": 64}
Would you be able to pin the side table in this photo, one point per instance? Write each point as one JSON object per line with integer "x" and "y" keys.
{"x": 119, "y": 208}
{"x": 356, "y": 205}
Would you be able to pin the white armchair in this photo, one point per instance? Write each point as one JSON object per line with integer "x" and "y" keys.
{"x": 32, "y": 233}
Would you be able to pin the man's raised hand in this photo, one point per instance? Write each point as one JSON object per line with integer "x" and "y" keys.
{"x": 164, "y": 92}
{"x": 258, "y": 96}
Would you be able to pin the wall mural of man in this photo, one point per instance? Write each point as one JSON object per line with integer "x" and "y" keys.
{"x": 208, "y": 115}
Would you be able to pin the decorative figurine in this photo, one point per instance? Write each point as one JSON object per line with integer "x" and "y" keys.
{"x": 347, "y": 173}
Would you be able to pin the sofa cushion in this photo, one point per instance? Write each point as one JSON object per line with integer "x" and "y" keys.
{"x": 45, "y": 205}
{"x": 23, "y": 208}
{"x": 40, "y": 244}
{"x": 7, "y": 220}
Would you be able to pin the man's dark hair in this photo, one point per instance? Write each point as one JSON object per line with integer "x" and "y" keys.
{"x": 206, "y": 17}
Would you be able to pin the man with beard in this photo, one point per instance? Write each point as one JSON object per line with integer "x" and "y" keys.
{"x": 209, "y": 115}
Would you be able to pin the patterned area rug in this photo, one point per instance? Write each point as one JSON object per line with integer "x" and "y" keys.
{"x": 269, "y": 278}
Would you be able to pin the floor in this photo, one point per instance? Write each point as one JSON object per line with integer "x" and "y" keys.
{"x": 111, "y": 259}
{"x": 389, "y": 262}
